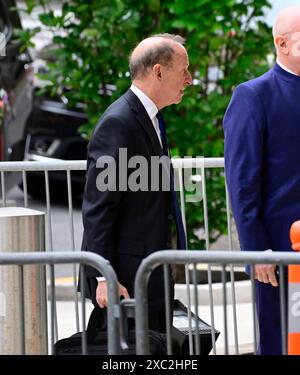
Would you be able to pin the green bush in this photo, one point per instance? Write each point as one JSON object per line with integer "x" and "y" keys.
{"x": 228, "y": 42}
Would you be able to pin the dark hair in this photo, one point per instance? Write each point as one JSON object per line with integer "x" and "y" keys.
{"x": 160, "y": 53}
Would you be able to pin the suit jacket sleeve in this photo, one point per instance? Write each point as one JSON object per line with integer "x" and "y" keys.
{"x": 244, "y": 129}
{"x": 101, "y": 208}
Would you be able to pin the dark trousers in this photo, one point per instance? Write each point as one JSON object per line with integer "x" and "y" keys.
{"x": 269, "y": 322}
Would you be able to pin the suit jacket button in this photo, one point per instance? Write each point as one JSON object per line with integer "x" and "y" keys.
{"x": 170, "y": 217}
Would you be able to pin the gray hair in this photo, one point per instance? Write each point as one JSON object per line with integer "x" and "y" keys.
{"x": 160, "y": 53}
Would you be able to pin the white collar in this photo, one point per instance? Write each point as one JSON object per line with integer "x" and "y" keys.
{"x": 150, "y": 107}
{"x": 285, "y": 68}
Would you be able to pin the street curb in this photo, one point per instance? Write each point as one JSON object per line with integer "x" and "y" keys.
{"x": 242, "y": 293}
{"x": 64, "y": 291}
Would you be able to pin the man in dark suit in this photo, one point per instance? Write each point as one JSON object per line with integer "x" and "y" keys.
{"x": 126, "y": 219}
{"x": 262, "y": 135}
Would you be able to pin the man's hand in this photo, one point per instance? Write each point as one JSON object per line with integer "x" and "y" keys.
{"x": 101, "y": 293}
{"x": 265, "y": 273}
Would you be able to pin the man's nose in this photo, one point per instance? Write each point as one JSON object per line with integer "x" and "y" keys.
{"x": 189, "y": 79}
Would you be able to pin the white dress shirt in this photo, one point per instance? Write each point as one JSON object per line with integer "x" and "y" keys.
{"x": 152, "y": 110}
{"x": 285, "y": 68}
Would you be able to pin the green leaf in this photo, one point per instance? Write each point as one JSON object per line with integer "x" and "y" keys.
{"x": 30, "y": 5}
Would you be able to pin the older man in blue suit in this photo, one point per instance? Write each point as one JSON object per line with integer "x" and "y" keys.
{"x": 262, "y": 164}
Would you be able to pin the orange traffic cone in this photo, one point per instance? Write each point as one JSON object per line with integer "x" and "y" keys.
{"x": 294, "y": 294}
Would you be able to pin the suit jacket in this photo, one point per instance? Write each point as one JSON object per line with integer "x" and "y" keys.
{"x": 125, "y": 226}
{"x": 262, "y": 138}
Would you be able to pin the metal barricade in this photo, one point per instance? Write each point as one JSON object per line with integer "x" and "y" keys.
{"x": 46, "y": 167}
{"x": 200, "y": 166}
{"x": 102, "y": 265}
{"x": 212, "y": 257}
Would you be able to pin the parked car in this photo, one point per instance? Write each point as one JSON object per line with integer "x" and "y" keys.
{"x": 16, "y": 89}
{"x": 35, "y": 127}
{"x": 16, "y": 85}
{"x": 52, "y": 133}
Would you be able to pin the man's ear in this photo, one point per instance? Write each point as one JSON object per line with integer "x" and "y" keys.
{"x": 281, "y": 44}
{"x": 157, "y": 71}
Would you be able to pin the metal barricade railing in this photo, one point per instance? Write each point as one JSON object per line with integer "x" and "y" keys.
{"x": 167, "y": 257}
{"x": 199, "y": 166}
{"x": 45, "y": 167}
{"x": 86, "y": 258}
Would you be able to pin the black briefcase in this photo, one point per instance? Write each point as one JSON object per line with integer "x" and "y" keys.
{"x": 180, "y": 330}
{"x": 97, "y": 339}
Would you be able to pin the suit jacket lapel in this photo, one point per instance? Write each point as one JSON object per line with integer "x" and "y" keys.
{"x": 144, "y": 120}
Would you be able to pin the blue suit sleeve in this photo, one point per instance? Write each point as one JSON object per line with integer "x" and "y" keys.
{"x": 244, "y": 130}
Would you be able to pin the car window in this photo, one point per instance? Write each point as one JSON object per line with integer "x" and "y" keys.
{"x": 1, "y": 23}
{"x": 2, "y": 18}
{"x": 5, "y": 25}
{"x": 12, "y": 62}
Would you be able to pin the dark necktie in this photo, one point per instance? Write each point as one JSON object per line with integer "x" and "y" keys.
{"x": 181, "y": 237}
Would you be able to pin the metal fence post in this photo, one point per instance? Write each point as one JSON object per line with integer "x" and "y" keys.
{"x": 23, "y": 312}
